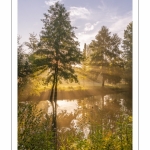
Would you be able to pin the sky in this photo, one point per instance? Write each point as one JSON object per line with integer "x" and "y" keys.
{"x": 87, "y": 15}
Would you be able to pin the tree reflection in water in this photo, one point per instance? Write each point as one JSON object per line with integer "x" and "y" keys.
{"x": 92, "y": 111}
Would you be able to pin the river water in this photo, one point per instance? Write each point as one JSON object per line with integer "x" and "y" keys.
{"x": 80, "y": 113}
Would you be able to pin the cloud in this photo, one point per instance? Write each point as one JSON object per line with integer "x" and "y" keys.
{"x": 106, "y": 12}
{"x": 90, "y": 27}
{"x": 121, "y": 24}
{"x": 103, "y": 15}
{"x": 102, "y": 6}
{"x": 52, "y": 2}
{"x": 117, "y": 25}
{"x": 79, "y": 12}
{"x": 84, "y": 37}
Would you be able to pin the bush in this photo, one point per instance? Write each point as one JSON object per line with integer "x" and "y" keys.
{"x": 34, "y": 130}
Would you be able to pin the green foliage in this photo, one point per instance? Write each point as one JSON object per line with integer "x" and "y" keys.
{"x": 127, "y": 54}
{"x": 101, "y": 137}
{"x": 21, "y": 59}
{"x": 33, "y": 44}
{"x": 118, "y": 136}
{"x": 28, "y": 68}
{"x": 24, "y": 67}
{"x": 58, "y": 47}
{"x": 105, "y": 56}
{"x": 33, "y": 128}
{"x": 57, "y": 51}
{"x": 109, "y": 129}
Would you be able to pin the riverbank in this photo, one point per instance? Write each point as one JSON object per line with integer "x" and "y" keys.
{"x": 76, "y": 93}
{"x": 84, "y": 88}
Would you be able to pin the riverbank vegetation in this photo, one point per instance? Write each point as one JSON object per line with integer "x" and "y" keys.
{"x": 34, "y": 131}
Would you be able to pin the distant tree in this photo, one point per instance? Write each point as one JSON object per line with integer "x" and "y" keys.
{"x": 23, "y": 64}
{"x": 85, "y": 51}
{"x": 20, "y": 57}
{"x": 105, "y": 57}
{"x": 33, "y": 42}
{"x": 127, "y": 54}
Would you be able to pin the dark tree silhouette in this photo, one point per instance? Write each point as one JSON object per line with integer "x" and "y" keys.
{"x": 59, "y": 50}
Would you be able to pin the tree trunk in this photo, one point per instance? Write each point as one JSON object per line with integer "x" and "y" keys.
{"x": 103, "y": 81}
{"x": 53, "y": 100}
{"x": 52, "y": 95}
{"x": 102, "y": 101}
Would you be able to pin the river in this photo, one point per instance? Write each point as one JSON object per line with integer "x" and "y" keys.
{"x": 80, "y": 113}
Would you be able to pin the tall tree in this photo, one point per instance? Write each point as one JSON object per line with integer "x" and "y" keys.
{"x": 59, "y": 44}
{"x": 127, "y": 54}
{"x": 105, "y": 57}
{"x": 59, "y": 49}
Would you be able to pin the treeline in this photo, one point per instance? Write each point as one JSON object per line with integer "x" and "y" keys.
{"x": 57, "y": 50}
{"x": 110, "y": 57}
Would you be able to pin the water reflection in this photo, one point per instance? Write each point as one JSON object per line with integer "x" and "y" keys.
{"x": 82, "y": 114}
